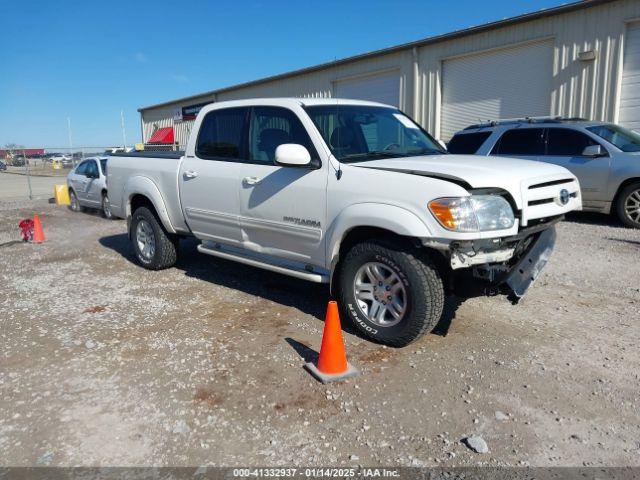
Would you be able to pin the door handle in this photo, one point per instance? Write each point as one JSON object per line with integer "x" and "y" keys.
{"x": 190, "y": 174}
{"x": 251, "y": 180}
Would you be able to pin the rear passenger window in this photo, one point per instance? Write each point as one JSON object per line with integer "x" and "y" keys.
{"x": 467, "y": 143}
{"x": 221, "y": 134}
{"x": 566, "y": 142}
{"x": 524, "y": 141}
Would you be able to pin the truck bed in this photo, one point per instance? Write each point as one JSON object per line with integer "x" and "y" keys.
{"x": 154, "y": 174}
{"x": 150, "y": 154}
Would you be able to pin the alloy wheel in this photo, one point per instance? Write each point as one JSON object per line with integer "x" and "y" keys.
{"x": 380, "y": 294}
{"x": 632, "y": 206}
{"x": 106, "y": 206}
{"x": 146, "y": 240}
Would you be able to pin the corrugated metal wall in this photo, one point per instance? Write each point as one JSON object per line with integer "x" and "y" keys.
{"x": 579, "y": 88}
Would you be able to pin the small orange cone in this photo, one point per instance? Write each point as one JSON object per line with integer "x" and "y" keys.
{"x": 332, "y": 363}
{"x": 38, "y": 233}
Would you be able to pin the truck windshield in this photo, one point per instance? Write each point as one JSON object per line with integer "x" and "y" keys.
{"x": 625, "y": 140}
{"x": 356, "y": 133}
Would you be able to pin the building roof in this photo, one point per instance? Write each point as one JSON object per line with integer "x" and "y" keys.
{"x": 418, "y": 43}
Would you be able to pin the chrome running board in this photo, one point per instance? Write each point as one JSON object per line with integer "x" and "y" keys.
{"x": 292, "y": 272}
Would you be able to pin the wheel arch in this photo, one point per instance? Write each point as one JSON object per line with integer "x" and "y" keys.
{"x": 621, "y": 187}
{"x": 363, "y": 222}
{"x": 142, "y": 191}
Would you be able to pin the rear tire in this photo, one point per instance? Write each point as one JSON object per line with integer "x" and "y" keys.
{"x": 155, "y": 248}
{"x": 407, "y": 283}
{"x": 106, "y": 207}
{"x": 628, "y": 205}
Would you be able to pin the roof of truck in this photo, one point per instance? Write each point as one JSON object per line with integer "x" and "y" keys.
{"x": 290, "y": 102}
{"x": 300, "y": 101}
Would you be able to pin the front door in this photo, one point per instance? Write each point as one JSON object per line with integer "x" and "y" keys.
{"x": 78, "y": 180}
{"x": 209, "y": 179}
{"x": 93, "y": 190}
{"x": 282, "y": 209}
{"x": 565, "y": 147}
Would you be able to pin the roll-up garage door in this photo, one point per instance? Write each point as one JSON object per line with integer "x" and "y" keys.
{"x": 383, "y": 88}
{"x": 506, "y": 83}
{"x": 630, "y": 93}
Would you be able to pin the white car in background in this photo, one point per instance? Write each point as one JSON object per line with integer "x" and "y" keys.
{"x": 87, "y": 185}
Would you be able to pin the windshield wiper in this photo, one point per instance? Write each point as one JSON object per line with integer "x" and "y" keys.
{"x": 384, "y": 153}
{"x": 427, "y": 151}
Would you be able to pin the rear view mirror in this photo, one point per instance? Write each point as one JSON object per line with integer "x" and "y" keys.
{"x": 593, "y": 151}
{"x": 292, "y": 155}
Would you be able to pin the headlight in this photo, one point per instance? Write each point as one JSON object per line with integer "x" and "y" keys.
{"x": 477, "y": 213}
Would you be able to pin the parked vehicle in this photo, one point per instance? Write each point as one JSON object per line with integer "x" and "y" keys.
{"x": 605, "y": 157}
{"x": 350, "y": 193}
{"x": 60, "y": 161}
{"x": 3, "y": 166}
{"x": 18, "y": 161}
{"x": 87, "y": 185}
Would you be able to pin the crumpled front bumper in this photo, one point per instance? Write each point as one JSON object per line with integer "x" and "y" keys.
{"x": 529, "y": 266}
{"x": 531, "y": 252}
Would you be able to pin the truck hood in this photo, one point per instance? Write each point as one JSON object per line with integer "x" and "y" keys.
{"x": 472, "y": 171}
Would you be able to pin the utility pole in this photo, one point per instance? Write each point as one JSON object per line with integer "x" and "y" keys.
{"x": 124, "y": 135}
{"x": 70, "y": 142}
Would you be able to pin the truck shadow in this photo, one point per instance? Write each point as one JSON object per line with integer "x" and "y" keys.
{"x": 309, "y": 298}
{"x": 593, "y": 218}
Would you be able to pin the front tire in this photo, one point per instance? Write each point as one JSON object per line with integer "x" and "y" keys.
{"x": 628, "y": 205}
{"x": 154, "y": 247}
{"x": 393, "y": 295}
{"x": 74, "y": 203}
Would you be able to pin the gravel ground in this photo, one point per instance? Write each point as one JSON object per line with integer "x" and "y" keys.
{"x": 104, "y": 363}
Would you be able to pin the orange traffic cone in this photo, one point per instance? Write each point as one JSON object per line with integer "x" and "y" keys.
{"x": 38, "y": 233}
{"x": 332, "y": 363}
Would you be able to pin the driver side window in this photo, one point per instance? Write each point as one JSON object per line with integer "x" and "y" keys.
{"x": 92, "y": 169}
{"x": 272, "y": 127}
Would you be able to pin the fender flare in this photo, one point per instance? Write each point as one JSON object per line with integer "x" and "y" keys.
{"x": 140, "y": 185}
{"x": 388, "y": 217}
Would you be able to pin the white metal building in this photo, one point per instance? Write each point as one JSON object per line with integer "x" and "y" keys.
{"x": 576, "y": 60}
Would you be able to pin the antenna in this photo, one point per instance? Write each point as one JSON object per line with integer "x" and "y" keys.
{"x": 339, "y": 170}
{"x": 70, "y": 142}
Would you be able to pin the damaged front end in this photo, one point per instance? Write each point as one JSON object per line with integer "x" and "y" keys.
{"x": 506, "y": 266}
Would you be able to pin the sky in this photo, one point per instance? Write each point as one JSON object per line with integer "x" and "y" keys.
{"x": 89, "y": 60}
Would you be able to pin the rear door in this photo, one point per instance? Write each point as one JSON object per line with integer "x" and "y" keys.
{"x": 565, "y": 147}
{"x": 93, "y": 190}
{"x": 282, "y": 209}
{"x": 208, "y": 179}
{"x": 79, "y": 180}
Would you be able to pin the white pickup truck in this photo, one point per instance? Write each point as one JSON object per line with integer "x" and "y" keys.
{"x": 350, "y": 193}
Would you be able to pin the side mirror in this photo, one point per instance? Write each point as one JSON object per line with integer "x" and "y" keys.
{"x": 292, "y": 155}
{"x": 594, "y": 151}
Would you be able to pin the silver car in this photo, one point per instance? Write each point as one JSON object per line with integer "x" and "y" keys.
{"x": 88, "y": 186}
{"x": 605, "y": 157}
